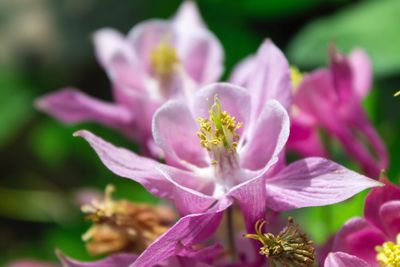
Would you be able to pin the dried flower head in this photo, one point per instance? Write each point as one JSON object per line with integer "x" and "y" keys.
{"x": 120, "y": 225}
{"x": 289, "y": 248}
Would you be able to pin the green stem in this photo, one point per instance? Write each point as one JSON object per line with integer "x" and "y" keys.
{"x": 231, "y": 233}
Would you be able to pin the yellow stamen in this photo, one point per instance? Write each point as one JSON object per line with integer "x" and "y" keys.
{"x": 397, "y": 93}
{"x": 163, "y": 59}
{"x": 389, "y": 253}
{"x": 296, "y": 76}
{"x": 219, "y": 131}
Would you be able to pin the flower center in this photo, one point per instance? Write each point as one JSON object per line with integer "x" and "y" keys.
{"x": 290, "y": 248}
{"x": 296, "y": 77}
{"x": 218, "y": 134}
{"x": 163, "y": 59}
{"x": 389, "y": 253}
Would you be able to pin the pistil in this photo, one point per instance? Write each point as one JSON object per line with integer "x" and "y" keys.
{"x": 219, "y": 135}
{"x": 289, "y": 248}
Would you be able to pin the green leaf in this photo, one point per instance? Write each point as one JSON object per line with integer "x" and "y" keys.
{"x": 16, "y": 106}
{"x": 372, "y": 25}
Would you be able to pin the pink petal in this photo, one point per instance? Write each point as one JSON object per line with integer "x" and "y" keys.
{"x": 188, "y": 15}
{"x": 362, "y": 72}
{"x": 178, "y": 240}
{"x": 314, "y": 182}
{"x": 174, "y": 131}
{"x": 266, "y": 139}
{"x": 116, "y": 260}
{"x": 390, "y": 218}
{"x": 118, "y": 59}
{"x": 71, "y": 106}
{"x": 161, "y": 180}
{"x": 243, "y": 70}
{"x": 359, "y": 238}
{"x": 340, "y": 259}
{"x": 234, "y": 99}
{"x": 342, "y": 75}
{"x": 269, "y": 77}
{"x": 251, "y": 198}
{"x": 376, "y": 198}
{"x": 199, "y": 49}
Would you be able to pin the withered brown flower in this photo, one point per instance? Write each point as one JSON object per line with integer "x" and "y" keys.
{"x": 121, "y": 225}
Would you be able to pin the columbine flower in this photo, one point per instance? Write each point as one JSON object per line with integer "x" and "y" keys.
{"x": 216, "y": 154}
{"x": 120, "y": 225}
{"x": 374, "y": 238}
{"x": 158, "y": 60}
{"x": 291, "y": 247}
{"x": 331, "y": 99}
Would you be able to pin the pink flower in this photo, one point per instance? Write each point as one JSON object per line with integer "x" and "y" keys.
{"x": 374, "y": 236}
{"x": 216, "y": 155}
{"x": 340, "y": 259}
{"x": 331, "y": 99}
{"x": 158, "y": 60}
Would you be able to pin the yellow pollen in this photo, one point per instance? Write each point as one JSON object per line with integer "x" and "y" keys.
{"x": 397, "y": 93}
{"x": 163, "y": 59}
{"x": 389, "y": 253}
{"x": 219, "y": 130}
{"x": 296, "y": 76}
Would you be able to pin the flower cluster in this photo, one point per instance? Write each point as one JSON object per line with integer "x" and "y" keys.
{"x": 223, "y": 148}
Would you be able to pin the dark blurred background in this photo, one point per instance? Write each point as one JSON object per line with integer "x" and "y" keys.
{"x": 46, "y": 44}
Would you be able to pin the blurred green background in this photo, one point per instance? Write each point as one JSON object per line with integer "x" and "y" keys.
{"x": 46, "y": 44}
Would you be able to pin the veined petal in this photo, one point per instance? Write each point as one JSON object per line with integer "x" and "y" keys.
{"x": 359, "y": 238}
{"x": 268, "y": 79}
{"x": 174, "y": 131}
{"x": 71, "y": 106}
{"x": 390, "y": 218}
{"x": 179, "y": 239}
{"x": 251, "y": 197}
{"x": 362, "y": 72}
{"x": 340, "y": 259}
{"x": 145, "y": 171}
{"x": 376, "y": 198}
{"x": 235, "y": 100}
{"x": 314, "y": 182}
{"x": 266, "y": 139}
{"x": 116, "y": 260}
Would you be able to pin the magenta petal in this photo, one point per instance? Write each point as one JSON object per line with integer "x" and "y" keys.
{"x": 362, "y": 72}
{"x": 359, "y": 238}
{"x": 376, "y": 198}
{"x": 340, "y": 259}
{"x": 390, "y": 218}
{"x": 116, "y": 260}
{"x": 70, "y": 105}
{"x": 234, "y": 99}
{"x": 174, "y": 131}
{"x": 251, "y": 198}
{"x": 266, "y": 139}
{"x": 178, "y": 240}
{"x": 314, "y": 182}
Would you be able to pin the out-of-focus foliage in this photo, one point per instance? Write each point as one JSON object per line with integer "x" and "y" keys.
{"x": 46, "y": 45}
